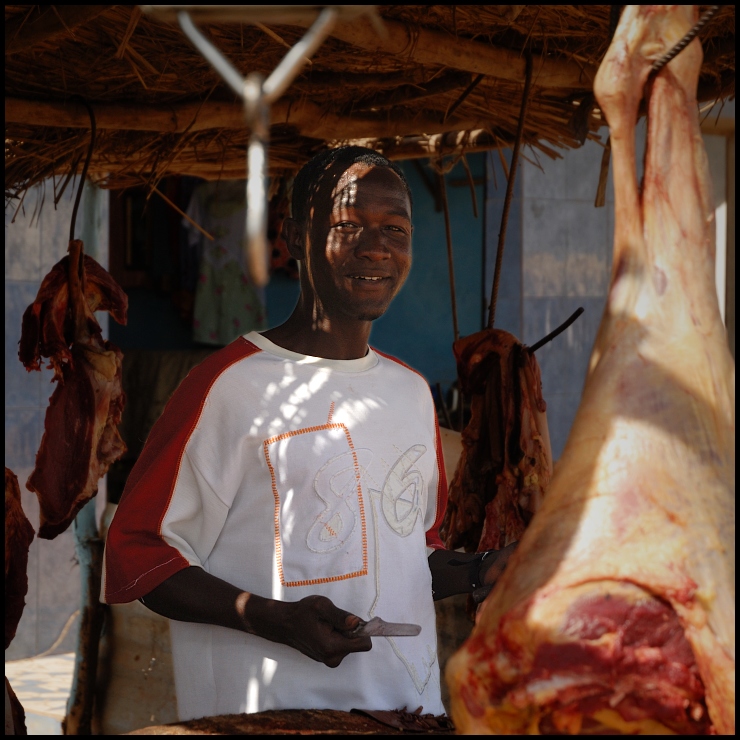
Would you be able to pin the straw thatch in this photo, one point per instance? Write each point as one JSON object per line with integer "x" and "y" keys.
{"x": 161, "y": 109}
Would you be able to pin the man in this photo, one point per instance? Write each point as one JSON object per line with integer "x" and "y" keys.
{"x": 294, "y": 484}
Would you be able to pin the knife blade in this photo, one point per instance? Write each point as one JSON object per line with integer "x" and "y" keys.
{"x": 377, "y": 627}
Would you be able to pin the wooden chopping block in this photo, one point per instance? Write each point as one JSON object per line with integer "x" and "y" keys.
{"x": 307, "y": 722}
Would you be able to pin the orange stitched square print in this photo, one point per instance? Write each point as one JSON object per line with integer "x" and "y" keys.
{"x": 320, "y": 532}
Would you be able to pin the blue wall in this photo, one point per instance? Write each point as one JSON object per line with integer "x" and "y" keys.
{"x": 418, "y": 326}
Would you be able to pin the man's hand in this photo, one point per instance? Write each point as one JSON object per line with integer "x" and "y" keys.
{"x": 313, "y": 625}
{"x": 490, "y": 570}
{"x": 467, "y": 572}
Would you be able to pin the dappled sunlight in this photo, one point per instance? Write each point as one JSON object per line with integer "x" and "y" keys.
{"x": 253, "y": 695}
{"x": 269, "y": 666}
{"x": 293, "y": 412}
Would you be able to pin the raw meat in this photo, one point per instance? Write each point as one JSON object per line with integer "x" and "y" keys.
{"x": 506, "y": 462}
{"x": 81, "y": 437}
{"x": 18, "y": 538}
{"x": 48, "y": 328}
{"x": 617, "y": 611}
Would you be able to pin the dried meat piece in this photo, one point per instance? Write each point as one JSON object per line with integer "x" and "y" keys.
{"x": 506, "y": 462}
{"x": 18, "y": 538}
{"x": 81, "y": 438}
{"x": 617, "y": 611}
{"x": 48, "y": 328}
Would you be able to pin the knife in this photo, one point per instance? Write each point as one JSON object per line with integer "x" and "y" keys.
{"x": 376, "y": 627}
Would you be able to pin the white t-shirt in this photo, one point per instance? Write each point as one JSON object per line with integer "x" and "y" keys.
{"x": 286, "y": 476}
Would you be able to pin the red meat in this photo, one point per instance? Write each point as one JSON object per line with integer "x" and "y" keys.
{"x": 506, "y": 461}
{"x": 617, "y": 611}
{"x": 81, "y": 437}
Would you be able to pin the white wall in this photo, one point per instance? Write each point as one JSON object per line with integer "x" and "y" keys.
{"x": 566, "y": 257}
{"x": 34, "y": 242}
{"x": 566, "y": 263}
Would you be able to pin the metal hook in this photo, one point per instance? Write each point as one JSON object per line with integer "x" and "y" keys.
{"x": 84, "y": 167}
{"x": 258, "y": 94}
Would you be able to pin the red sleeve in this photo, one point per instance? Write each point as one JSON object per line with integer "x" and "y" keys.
{"x": 433, "y": 538}
{"x": 137, "y": 558}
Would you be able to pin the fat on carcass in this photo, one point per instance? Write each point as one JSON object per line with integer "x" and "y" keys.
{"x": 617, "y": 611}
{"x": 506, "y": 461}
{"x": 81, "y": 437}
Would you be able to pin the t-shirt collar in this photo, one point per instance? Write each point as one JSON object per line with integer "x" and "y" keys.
{"x": 359, "y": 365}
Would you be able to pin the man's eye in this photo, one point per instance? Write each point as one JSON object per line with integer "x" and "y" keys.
{"x": 345, "y": 225}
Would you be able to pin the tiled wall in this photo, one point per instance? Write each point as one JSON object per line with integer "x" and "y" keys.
{"x": 34, "y": 241}
{"x": 566, "y": 250}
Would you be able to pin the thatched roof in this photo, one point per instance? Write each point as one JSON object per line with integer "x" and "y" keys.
{"x": 161, "y": 109}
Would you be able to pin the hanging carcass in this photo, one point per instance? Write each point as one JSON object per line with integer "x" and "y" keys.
{"x": 617, "y": 611}
{"x": 81, "y": 437}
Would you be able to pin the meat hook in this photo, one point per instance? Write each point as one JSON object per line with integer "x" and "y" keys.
{"x": 259, "y": 93}
{"x": 549, "y": 337}
{"x": 78, "y": 198}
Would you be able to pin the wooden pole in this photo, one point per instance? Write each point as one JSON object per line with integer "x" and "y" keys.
{"x": 450, "y": 260}
{"x": 437, "y": 48}
{"x": 89, "y": 550}
{"x": 509, "y": 192}
{"x": 308, "y": 118}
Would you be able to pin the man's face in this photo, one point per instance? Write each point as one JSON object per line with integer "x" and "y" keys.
{"x": 358, "y": 243}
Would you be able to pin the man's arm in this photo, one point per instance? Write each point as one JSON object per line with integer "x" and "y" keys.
{"x": 467, "y": 572}
{"x": 313, "y": 625}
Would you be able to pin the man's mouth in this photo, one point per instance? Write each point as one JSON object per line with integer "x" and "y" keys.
{"x": 372, "y": 278}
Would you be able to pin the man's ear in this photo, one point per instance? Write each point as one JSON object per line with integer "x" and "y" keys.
{"x": 294, "y": 238}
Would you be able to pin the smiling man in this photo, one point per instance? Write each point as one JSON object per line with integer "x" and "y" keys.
{"x": 293, "y": 487}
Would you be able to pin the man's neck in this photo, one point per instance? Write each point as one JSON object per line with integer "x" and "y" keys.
{"x": 333, "y": 339}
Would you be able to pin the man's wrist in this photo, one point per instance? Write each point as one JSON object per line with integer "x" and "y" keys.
{"x": 267, "y": 618}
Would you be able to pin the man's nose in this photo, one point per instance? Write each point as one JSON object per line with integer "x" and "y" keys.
{"x": 372, "y": 245}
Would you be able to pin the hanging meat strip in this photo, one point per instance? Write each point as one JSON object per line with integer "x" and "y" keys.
{"x": 81, "y": 437}
{"x": 617, "y": 611}
{"x": 506, "y": 462}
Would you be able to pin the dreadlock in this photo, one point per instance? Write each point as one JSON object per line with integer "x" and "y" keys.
{"x": 308, "y": 181}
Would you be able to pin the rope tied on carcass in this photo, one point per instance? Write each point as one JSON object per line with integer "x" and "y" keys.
{"x": 685, "y": 41}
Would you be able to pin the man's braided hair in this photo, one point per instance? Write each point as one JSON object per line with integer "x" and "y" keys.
{"x": 309, "y": 178}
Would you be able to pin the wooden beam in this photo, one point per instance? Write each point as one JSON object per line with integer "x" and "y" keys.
{"x": 440, "y": 49}
{"x": 407, "y": 93}
{"x": 125, "y": 172}
{"x": 451, "y": 143}
{"x": 308, "y": 118}
{"x": 56, "y": 21}
{"x": 111, "y": 116}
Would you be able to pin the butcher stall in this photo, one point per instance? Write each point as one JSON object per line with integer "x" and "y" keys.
{"x": 616, "y": 613}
